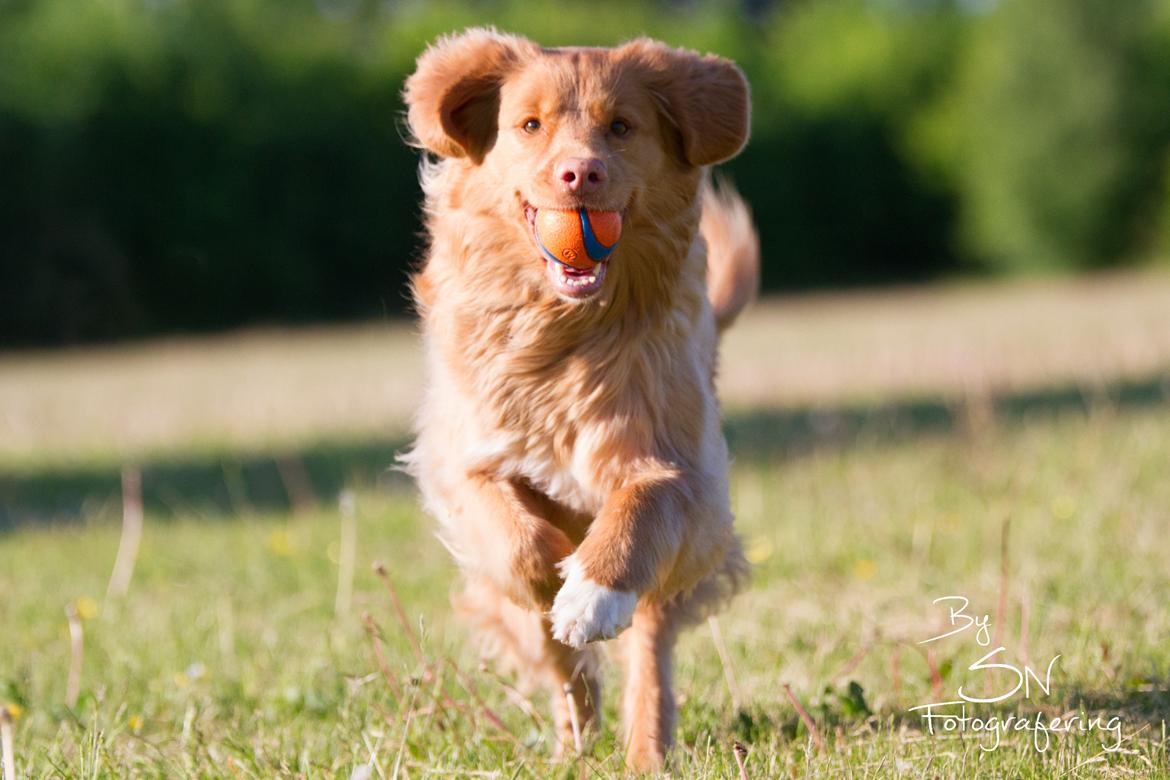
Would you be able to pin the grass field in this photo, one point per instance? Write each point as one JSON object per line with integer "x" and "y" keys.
{"x": 1006, "y": 444}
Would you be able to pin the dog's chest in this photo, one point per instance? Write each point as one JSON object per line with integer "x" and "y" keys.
{"x": 513, "y": 396}
{"x": 579, "y": 429}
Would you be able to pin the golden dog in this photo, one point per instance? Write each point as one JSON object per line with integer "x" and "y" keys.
{"x": 569, "y": 443}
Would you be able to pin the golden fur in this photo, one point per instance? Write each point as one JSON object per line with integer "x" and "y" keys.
{"x": 555, "y": 427}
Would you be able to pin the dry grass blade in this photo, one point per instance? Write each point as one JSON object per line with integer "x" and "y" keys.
{"x": 574, "y": 719}
{"x": 854, "y": 661}
{"x": 488, "y": 712}
{"x": 441, "y": 700}
{"x": 380, "y": 654}
{"x": 411, "y": 636}
{"x": 515, "y": 696}
{"x": 740, "y": 752}
{"x": 896, "y": 671}
{"x": 402, "y": 744}
{"x": 935, "y": 675}
{"x": 295, "y": 478}
{"x": 1004, "y": 568}
{"x": 366, "y": 771}
{"x": 132, "y": 520}
{"x": 805, "y": 717}
{"x": 1025, "y": 619}
{"x": 7, "y": 744}
{"x": 438, "y": 696}
{"x": 345, "y": 555}
{"x": 76, "y": 652}
{"x": 725, "y": 660}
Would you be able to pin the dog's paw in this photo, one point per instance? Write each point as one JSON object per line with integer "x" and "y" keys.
{"x": 585, "y": 611}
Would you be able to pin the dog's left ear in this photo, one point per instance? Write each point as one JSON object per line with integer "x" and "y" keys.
{"x": 453, "y": 97}
{"x": 705, "y": 99}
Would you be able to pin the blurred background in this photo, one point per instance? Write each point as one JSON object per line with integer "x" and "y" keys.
{"x": 169, "y": 166}
{"x": 958, "y": 375}
{"x": 208, "y": 212}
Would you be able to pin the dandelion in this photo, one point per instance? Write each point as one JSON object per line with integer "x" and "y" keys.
{"x": 1063, "y": 507}
{"x": 280, "y": 543}
{"x": 87, "y": 608}
{"x": 759, "y": 549}
{"x": 864, "y": 569}
{"x": 134, "y": 722}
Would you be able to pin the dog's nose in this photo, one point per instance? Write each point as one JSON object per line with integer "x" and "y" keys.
{"x": 581, "y": 175}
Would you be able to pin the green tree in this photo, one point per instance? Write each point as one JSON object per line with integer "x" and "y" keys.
{"x": 1051, "y": 135}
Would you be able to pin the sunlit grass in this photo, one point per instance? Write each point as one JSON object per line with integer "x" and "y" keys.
{"x": 282, "y": 389}
{"x": 227, "y": 658}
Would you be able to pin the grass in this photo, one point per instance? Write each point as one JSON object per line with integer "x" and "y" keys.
{"x": 228, "y": 657}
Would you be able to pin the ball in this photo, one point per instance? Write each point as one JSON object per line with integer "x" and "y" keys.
{"x": 578, "y": 238}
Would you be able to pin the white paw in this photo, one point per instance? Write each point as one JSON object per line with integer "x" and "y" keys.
{"x": 584, "y": 611}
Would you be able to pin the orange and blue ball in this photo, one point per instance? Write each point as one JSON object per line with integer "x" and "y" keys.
{"x": 578, "y": 238}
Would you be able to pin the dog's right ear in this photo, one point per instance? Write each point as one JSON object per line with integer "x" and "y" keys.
{"x": 453, "y": 97}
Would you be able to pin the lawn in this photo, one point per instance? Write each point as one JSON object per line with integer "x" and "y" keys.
{"x": 864, "y": 490}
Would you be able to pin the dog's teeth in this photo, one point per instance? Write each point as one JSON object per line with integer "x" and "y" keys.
{"x": 570, "y": 277}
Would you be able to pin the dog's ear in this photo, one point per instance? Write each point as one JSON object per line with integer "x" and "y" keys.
{"x": 453, "y": 97}
{"x": 705, "y": 100}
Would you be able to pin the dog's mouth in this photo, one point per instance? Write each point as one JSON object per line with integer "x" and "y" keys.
{"x": 576, "y": 283}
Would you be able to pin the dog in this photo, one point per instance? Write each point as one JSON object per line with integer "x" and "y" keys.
{"x": 569, "y": 441}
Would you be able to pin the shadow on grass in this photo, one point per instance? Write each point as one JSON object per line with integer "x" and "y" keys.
{"x": 785, "y": 434}
{"x": 215, "y": 484}
{"x": 227, "y": 483}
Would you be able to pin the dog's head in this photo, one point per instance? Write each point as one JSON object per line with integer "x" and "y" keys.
{"x": 625, "y": 129}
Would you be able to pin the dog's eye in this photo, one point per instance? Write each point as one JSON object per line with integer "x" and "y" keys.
{"x": 532, "y": 125}
{"x": 618, "y": 127}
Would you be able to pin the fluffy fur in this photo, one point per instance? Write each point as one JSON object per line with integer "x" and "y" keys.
{"x": 570, "y": 446}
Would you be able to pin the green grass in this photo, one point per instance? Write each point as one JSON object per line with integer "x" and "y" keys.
{"x": 890, "y": 448}
{"x": 227, "y": 659}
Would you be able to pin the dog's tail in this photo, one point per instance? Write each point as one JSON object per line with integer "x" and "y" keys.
{"x": 733, "y": 251}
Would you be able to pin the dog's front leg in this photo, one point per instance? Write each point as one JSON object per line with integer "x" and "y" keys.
{"x": 503, "y": 533}
{"x": 635, "y": 536}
